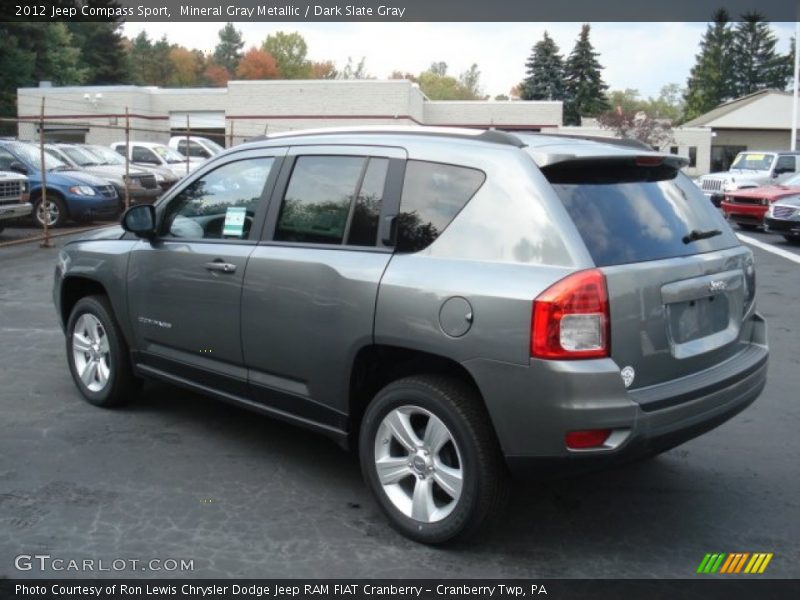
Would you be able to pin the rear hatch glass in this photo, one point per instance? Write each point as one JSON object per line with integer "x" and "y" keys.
{"x": 679, "y": 283}
{"x": 631, "y": 214}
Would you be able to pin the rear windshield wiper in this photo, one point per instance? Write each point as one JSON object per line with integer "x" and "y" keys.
{"x": 696, "y": 234}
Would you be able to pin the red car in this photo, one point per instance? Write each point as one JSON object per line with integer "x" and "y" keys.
{"x": 747, "y": 207}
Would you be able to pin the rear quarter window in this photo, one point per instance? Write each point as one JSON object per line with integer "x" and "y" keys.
{"x": 634, "y": 221}
{"x": 433, "y": 194}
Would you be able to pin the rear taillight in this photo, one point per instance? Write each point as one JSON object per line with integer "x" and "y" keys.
{"x": 571, "y": 319}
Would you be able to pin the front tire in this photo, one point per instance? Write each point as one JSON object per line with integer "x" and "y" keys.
{"x": 55, "y": 211}
{"x": 792, "y": 239}
{"x": 429, "y": 455}
{"x": 97, "y": 354}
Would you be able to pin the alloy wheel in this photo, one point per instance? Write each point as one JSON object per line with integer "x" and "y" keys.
{"x": 418, "y": 464}
{"x": 90, "y": 352}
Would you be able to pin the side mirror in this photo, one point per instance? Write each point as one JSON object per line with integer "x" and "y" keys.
{"x": 18, "y": 167}
{"x": 140, "y": 220}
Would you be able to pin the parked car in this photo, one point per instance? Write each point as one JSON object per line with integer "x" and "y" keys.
{"x": 165, "y": 177}
{"x": 71, "y": 194}
{"x": 783, "y": 217}
{"x": 749, "y": 170}
{"x": 142, "y": 186}
{"x": 195, "y": 146}
{"x": 748, "y": 207}
{"x": 14, "y": 197}
{"x": 150, "y": 153}
{"x": 452, "y": 303}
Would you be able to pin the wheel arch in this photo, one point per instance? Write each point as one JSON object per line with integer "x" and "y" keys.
{"x": 75, "y": 287}
{"x": 377, "y": 365}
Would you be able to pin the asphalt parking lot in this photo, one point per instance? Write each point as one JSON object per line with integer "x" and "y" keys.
{"x": 179, "y": 476}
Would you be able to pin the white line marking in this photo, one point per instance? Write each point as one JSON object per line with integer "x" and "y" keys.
{"x": 769, "y": 248}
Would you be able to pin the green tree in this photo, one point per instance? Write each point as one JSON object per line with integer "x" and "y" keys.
{"x": 58, "y": 59}
{"x": 228, "y": 51}
{"x": 470, "y": 81}
{"x": 628, "y": 100}
{"x": 102, "y": 51}
{"x": 437, "y": 85}
{"x": 17, "y": 64}
{"x": 668, "y": 104}
{"x": 150, "y": 61}
{"x": 585, "y": 90}
{"x": 758, "y": 64}
{"x": 438, "y": 68}
{"x": 351, "y": 71}
{"x": 290, "y": 52}
{"x": 544, "y": 74}
{"x": 711, "y": 78}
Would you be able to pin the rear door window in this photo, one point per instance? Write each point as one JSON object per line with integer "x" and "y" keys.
{"x": 630, "y": 220}
{"x": 433, "y": 194}
{"x": 333, "y": 200}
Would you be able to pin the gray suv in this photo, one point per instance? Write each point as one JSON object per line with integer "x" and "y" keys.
{"x": 457, "y": 305}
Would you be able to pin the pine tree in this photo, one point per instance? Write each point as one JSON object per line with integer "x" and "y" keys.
{"x": 585, "y": 90}
{"x": 711, "y": 79}
{"x": 228, "y": 52}
{"x": 102, "y": 50}
{"x": 758, "y": 65}
{"x": 544, "y": 74}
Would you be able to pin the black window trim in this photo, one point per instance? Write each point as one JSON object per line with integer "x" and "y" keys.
{"x": 392, "y": 188}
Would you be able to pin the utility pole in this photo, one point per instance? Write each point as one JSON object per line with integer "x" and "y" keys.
{"x": 43, "y": 205}
{"x": 127, "y": 159}
{"x": 188, "y": 141}
{"x": 796, "y": 73}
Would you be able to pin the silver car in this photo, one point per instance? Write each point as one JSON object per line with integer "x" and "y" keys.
{"x": 456, "y": 305}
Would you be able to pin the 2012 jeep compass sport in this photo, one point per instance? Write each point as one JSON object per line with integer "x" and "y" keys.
{"x": 456, "y": 304}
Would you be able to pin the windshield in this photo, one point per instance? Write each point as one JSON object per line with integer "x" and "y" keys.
{"x": 753, "y": 161}
{"x": 79, "y": 156}
{"x": 106, "y": 156}
{"x": 168, "y": 154}
{"x": 31, "y": 156}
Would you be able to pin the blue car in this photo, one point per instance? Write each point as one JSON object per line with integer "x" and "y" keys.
{"x": 71, "y": 194}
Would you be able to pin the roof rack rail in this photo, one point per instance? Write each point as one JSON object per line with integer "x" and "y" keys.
{"x": 492, "y": 136}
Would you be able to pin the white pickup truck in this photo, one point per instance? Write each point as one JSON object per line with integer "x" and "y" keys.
{"x": 14, "y": 197}
{"x": 749, "y": 170}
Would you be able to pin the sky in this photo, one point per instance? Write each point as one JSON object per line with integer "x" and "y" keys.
{"x": 642, "y": 56}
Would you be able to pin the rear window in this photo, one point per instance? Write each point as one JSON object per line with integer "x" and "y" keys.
{"x": 634, "y": 221}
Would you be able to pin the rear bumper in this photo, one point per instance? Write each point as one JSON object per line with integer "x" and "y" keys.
{"x": 532, "y": 412}
{"x": 782, "y": 226}
{"x": 14, "y": 211}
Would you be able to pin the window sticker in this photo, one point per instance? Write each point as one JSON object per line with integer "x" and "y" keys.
{"x": 234, "y": 221}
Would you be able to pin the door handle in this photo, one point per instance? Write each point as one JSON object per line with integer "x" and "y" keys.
{"x": 220, "y": 267}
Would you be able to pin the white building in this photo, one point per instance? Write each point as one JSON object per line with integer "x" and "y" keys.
{"x": 758, "y": 121}
{"x": 249, "y": 108}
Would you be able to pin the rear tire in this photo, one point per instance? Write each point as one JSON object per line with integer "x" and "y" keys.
{"x": 442, "y": 475}
{"x": 97, "y": 354}
{"x": 747, "y": 226}
{"x": 56, "y": 213}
